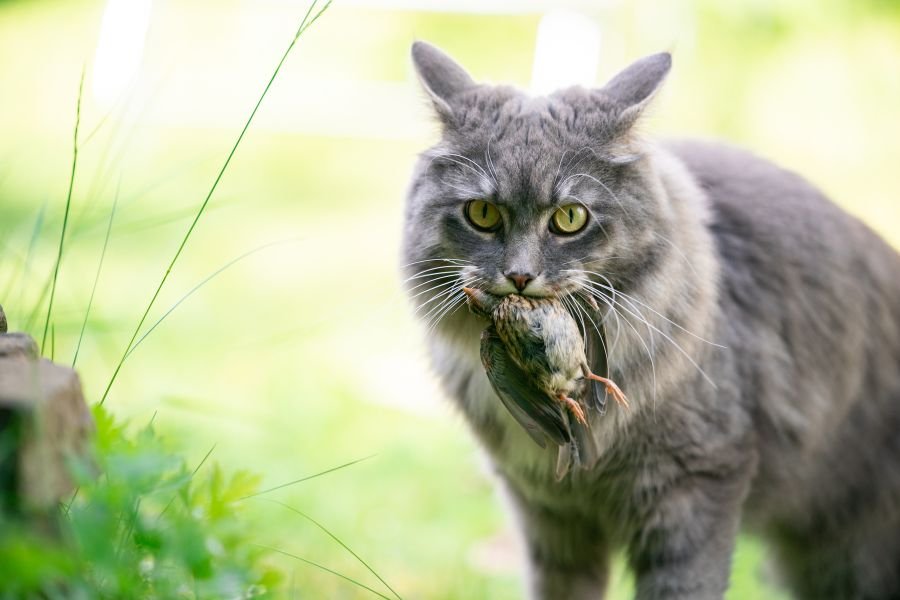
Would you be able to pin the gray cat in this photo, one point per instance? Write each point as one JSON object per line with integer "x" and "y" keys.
{"x": 754, "y": 326}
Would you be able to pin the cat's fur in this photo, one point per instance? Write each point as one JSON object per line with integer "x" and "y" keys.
{"x": 772, "y": 405}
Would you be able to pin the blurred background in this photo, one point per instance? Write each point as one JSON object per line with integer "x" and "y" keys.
{"x": 303, "y": 356}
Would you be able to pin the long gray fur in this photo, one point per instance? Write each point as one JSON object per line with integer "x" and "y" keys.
{"x": 756, "y": 332}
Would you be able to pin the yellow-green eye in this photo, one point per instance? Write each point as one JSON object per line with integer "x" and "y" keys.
{"x": 567, "y": 219}
{"x": 483, "y": 215}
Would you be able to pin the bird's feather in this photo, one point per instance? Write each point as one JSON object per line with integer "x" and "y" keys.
{"x": 595, "y": 346}
{"x": 535, "y": 411}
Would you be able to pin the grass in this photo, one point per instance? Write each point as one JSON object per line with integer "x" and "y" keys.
{"x": 304, "y": 23}
{"x": 302, "y": 357}
{"x": 170, "y": 554}
{"x": 62, "y": 235}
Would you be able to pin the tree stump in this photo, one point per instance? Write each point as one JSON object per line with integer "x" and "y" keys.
{"x": 44, "y": 424}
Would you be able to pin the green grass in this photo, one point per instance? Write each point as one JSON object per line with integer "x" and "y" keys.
{"x": 301, "y": 356}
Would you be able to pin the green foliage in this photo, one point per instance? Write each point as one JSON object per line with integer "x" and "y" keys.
{"x": 146, "y": 526}
{"x": 270, "y": 355}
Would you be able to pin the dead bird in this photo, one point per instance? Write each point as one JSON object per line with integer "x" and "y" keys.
{"x": 535, "y": 359}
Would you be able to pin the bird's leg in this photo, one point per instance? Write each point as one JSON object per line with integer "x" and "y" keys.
{"x": 611, "y": 386}
{"x": 574, "y": 407}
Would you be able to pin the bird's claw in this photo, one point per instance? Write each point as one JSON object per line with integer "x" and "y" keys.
{"x": 574, "y": 408}
{"x": 612, "y": 388}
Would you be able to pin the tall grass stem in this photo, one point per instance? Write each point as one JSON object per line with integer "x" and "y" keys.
{"x": 304, "y": 24}
{"x": 87, "y": 312}
{"x": 62, "y": 236}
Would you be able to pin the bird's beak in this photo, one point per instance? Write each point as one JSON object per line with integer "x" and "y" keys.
{"x": 478, "y": 301}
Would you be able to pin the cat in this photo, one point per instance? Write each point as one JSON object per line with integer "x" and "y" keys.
{"x": 753, "y": 325}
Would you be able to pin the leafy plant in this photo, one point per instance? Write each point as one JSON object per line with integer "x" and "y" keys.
{"x": 148, "y": 526}
{"x": 142, "y": 523}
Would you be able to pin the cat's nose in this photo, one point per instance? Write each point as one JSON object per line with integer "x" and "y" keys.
{"x": 520, "y": 280}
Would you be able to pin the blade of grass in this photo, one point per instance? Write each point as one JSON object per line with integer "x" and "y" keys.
{"x": 78, "y": 488}
{"x": 324, "y": 568}
{"x": 308, "y": 477}
{"x": 304, "y": 24}
{"x": 193, "y": 473}
{"x": 62, "y": 236}
{"x": 338, "y": 540}
{"x": 118, "y": 143}
{"x": 9, "y": 254}
{"x": 201, "y": 284}
{"x": 22, "y": 275}
{"x": 87, "y": 312}
{"x": 36, "y": 309}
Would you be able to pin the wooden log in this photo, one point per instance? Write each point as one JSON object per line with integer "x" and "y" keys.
{"x": 44, "y": 424}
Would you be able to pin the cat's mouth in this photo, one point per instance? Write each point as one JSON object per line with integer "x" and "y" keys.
{"x": 535, "y": 289}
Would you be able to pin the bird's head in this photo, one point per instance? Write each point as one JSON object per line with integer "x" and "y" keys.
{"x": 481, "y": 302}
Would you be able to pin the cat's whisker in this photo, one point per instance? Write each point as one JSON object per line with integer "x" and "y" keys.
{"x": 432, "y": 269}
{"x": 446, "y": 296}
{"x": 432, "y": 277}
{"x": 640, "y": 338}
{"x": 604, "y": 186}
{"x": 574, "y": 260}
{"x": 679, "y": 251}
{"x": 614, "y": 291}
{"x": 585, "y": 283}
{"x": 453, "y": 303}
{"x": 453, "y": 279}
{"x": 600, "y": 335}
{"x": 450, "y": 260}
{"x": 649, "y": 354}
{"x": 583, "y": 278}
{"x": 490, "y": 163}
{"x": 569, "y": 164}
{"x": 445, "y": 271}
{"x": 568, "y": 303}
{"x": 447, "y": 289}
{"x": 449, "y": 309}
{"x": 593, "y": 214}
{"x": 438, "y": 298}
{"x": 572, "y": 306}
{"x": 608, "y": 350}
{"x": 583, "y": 311}
{"x": 673, "y": 342}
{"x": 466, "y": 192}
{"x": 603, "y": 259}
{"x": 471, "y": 163}
{"x": 558, "y": 170}
{"x": 690, "y": 359}
{"x": 479, "y": 171}
{"x": 612, "y": 307}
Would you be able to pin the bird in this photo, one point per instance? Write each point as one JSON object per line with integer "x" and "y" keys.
{"x": 535, "y": 358}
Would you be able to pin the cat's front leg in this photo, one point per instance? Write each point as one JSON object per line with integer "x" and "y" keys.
{"x": 567, "y": 554}
{"x": 684, "y": 547}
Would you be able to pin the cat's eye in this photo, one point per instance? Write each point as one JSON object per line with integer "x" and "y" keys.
{"x": 483, "y": 215}
{"x": 569, "y": 219}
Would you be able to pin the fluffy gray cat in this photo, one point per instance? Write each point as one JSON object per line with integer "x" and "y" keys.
{"x": 754, "y": 326}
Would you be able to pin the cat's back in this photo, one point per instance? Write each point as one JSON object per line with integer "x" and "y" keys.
{"x": 774, "y": 227}
{"x": 810, "y": 303}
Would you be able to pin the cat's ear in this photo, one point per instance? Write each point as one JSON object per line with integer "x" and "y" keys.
{"x": 634, "y": 87}
{"x": 441, "y": 77}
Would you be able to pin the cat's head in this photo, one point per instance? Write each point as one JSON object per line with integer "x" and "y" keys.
{"x": 531, "y": 195}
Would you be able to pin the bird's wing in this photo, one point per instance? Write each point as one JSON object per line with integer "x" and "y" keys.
{"x": 581, "y": 453}
{"x": 528, "y": 350}
{"x": 595, "y": 346}
{"x": 535, "y": 411}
